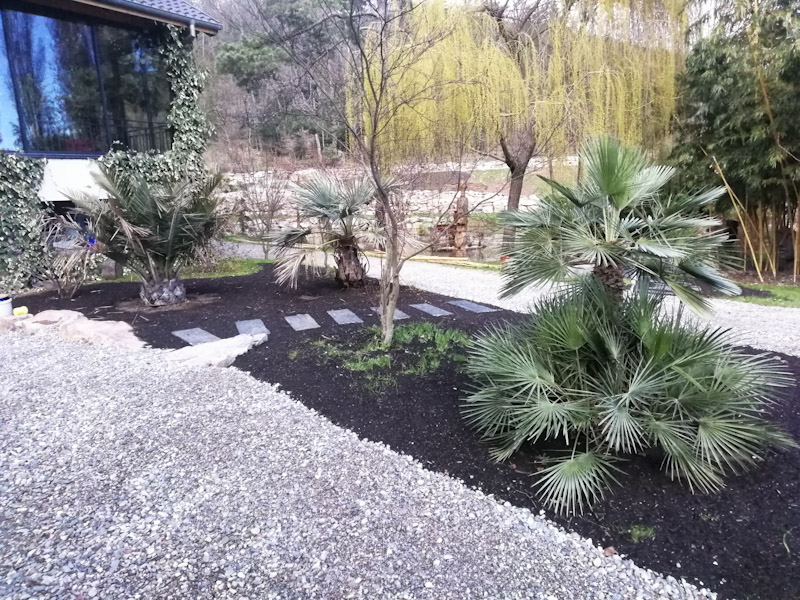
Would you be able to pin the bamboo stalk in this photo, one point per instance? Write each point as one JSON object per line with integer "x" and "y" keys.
{"x": 737, "y": 206}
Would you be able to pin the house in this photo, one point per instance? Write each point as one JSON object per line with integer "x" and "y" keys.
{"x": 81, "y": 77}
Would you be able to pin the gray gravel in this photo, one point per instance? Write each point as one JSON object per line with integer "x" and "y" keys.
{"x": 123, "y": 476}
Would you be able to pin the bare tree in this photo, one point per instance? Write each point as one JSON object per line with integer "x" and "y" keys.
{"x": 371, "y": 52}
{"x": 261, "y": 196}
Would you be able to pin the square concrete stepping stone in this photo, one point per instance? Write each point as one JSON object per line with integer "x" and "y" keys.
{"x": 472, "y": 306}
{"x": 432, "y": 310}
{"x": 344, "y": 316}
{"x": 301, "y": 322}
{"x": 252, "y": 327}
{"x": 398, "y": 314}
{"x": 195, "y": 336}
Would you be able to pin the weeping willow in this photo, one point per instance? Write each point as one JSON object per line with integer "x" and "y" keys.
{"x": 445, "y": 79}
{"x": 624, "y": 65}
{"x": 435, "y": 85}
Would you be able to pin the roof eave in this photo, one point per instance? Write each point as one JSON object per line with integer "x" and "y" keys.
{"x": 137, "y": 10}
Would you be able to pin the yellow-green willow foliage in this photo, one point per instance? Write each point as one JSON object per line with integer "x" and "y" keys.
{"x": 624, "y": 62}
{"x": 440, "y": 87}
{"x": 446, "y": 81}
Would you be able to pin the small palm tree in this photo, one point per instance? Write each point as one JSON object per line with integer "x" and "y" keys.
{"x": 154, "y": 230}
{"x": 609, "y": 374}
{"x": 340, "y": 226}
{"x": 618, "y": 224}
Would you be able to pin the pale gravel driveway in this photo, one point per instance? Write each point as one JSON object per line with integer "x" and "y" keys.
{"x": 123, "y": 476}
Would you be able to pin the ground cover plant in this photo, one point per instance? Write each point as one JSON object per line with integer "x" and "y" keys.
{"x": 733, "y": 541}
{"x": 153, "y": 229}
{"x": 607, "y": 374}
{"x": 417, "y": 349}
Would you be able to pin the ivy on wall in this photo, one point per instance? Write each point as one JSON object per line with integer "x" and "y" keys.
{"x": 190, "y": 128}
{"x": 23, "y": 253}
{"x": 22, "y": 249}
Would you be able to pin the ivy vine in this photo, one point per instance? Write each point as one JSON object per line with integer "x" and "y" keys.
{"x": 190, "y": 128}
{"x": 22, "y": 249}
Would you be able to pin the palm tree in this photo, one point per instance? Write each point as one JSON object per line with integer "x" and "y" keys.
{"x": 340, "y": 226}
{"x": 609, "y": 374}
{"x": 618, "y": 224}
{"x": 154, "y": 230}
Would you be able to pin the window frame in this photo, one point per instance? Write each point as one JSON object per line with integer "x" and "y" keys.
{"x": 92, "y": 23}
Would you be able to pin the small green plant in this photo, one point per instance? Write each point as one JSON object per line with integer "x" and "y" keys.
{"x": 641, "y": 533}
{"x": 418, "y": 349}
{"x": 707, "y": 516}
{"x": 293, "y": 354}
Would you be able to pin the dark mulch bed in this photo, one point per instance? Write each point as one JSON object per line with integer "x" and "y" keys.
{"x": 742, "y": 543}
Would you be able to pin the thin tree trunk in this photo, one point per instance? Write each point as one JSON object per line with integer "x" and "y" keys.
{"x": 390, "y": 291}
{"x": 796, "y": 239}
{"x": 460, "y": 222}
{"x": 514, "y": 195}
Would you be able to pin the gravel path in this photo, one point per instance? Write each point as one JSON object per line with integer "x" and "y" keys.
{"x": 766, "y": 327}
{"x": 122, "y": 476}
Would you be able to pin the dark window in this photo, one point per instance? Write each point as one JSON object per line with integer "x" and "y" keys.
{"x": 9, "y": 122}
{"x": 137, "y": 93}
{"x": 72, "y": 87}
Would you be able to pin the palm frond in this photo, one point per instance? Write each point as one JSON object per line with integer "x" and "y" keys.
{"x": 574, "y": 482}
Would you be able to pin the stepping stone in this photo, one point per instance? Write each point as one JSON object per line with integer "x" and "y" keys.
{"x": 398, "y": 314}
{"x": 432, "y": 310}
{"x": 195, "y": 336}
{"x": 344, "y": 316}
{"x": 252, "y": 327}
{"x": 472, "y": 306}
{"x": 301, "y": 322}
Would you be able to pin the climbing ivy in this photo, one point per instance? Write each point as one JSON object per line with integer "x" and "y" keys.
{"x": 22, "y": 248}
{"x": 190, "y": 128}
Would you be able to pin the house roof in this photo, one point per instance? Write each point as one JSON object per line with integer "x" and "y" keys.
{"x": 177, "y": 12}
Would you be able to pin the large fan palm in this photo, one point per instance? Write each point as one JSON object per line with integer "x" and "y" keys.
{"x": 336, "y": 209}
{"x": 608, "y": 379}
{"x": 609, "y": 374}
{"x": 618, "y": 224}
{"x": 154, "y": 230}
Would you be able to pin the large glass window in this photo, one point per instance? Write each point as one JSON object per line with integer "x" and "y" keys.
{"x": 137, "y": 92}
{"x": 72, "y": 87}
{"x": 9, "y": 122}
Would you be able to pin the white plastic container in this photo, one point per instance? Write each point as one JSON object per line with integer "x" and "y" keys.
{"x": 6, "y": 307}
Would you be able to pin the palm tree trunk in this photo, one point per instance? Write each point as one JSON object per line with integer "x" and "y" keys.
{"x": 349, "y": 270}
{"x": 160, "y": 293}
{"x": 612, "y": 279}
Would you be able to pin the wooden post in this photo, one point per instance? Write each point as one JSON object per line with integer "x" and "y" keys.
{"x": 460, "y": 221}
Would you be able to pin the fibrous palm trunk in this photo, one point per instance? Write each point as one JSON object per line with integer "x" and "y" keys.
{"x": 162, "y": 293}
{"x": 349, "y": 269}
{"x": 612, "y": 279}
